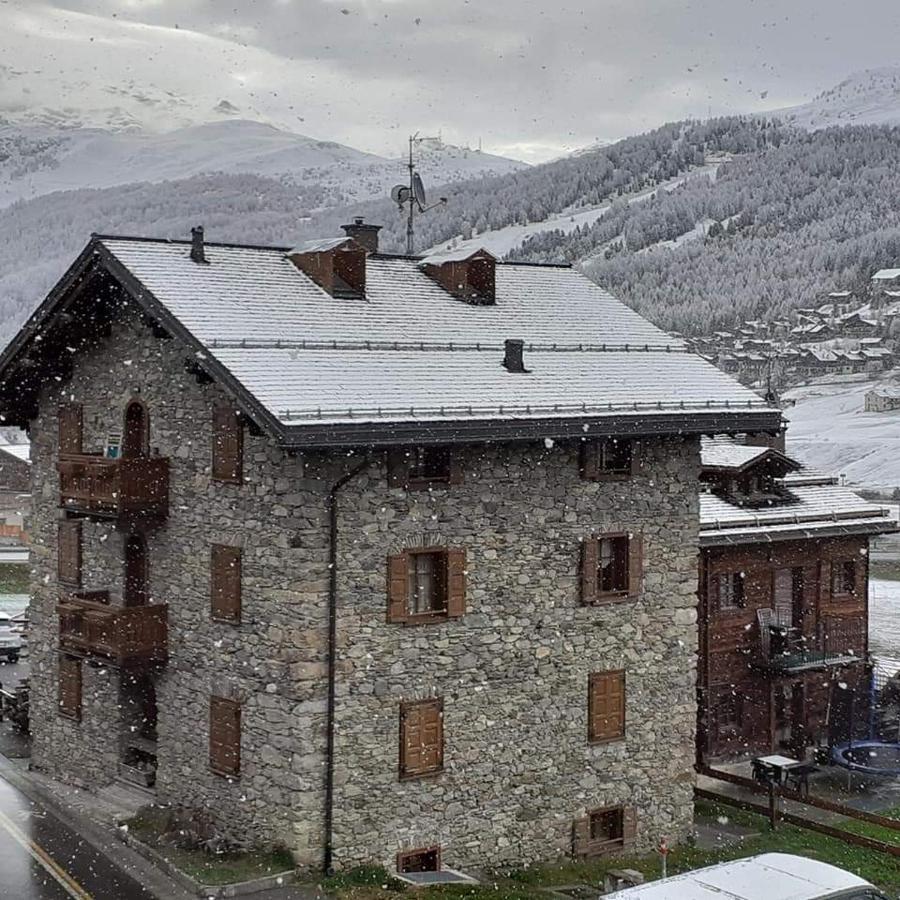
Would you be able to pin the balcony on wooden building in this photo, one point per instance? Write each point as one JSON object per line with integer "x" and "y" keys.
{"x": 786, "y": 649}
{"x": 92, "y": 484}
{"x": 123, "y": 635}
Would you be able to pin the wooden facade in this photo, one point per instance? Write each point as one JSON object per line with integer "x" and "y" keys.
{"x": 783, "y": 644}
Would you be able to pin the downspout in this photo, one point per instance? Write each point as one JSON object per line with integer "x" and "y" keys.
{"x": 332, "y": 658}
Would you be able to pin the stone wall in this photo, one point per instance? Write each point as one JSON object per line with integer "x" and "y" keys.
{"x": 513, "y": 671}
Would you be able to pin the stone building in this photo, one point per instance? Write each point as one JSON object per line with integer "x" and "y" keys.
{"x": 783, "y": 614}
{"x": 377, "y": 557}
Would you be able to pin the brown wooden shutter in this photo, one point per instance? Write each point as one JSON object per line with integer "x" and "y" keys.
{"x": 69, "y": 552}
{"x": 629, "y": 825}
{"x": 228, "y": 444}
{"x": 590, "y": 563}
{"x": 225, "y": 582}
{"x": 421, "y": 737}
{"x": 635, "y": 564}
{"x": 70, "y": 686}
{"x": 398, "y": 588}
{"x": 224, "y": 736}
{"x": 581, "y": 836}
{"x": 456, "y": 583}
{"x": 590, "y": 460}
{"x": 637, "y": 462}
{"x": 398, "y": 464}
{"x": 70, "y": 427}
{"x": 606, "y": 705}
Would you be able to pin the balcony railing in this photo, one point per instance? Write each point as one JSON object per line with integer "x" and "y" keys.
{"x": 94, "y": 485}
{"x": 123, "y": 635}
{"x": 834, "y": 643}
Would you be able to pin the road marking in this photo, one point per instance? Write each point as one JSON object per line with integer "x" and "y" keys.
{"x": 71, "y": 887}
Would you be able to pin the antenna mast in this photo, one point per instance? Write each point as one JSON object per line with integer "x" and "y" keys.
{"x": 413, "y": 194}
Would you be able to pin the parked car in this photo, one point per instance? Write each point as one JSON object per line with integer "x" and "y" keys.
{"x": 770, "y": 876}
{"x": 10, "y": 641}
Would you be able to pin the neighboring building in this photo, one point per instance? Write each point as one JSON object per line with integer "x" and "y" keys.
{"x": 783, "y": 604}
{"x": 883, "y": 399}
{"x": 15, "y": 491}
{"x": 322, "y": 549}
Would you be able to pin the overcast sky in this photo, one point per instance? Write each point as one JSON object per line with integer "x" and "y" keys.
{"x": 530, "y": 78}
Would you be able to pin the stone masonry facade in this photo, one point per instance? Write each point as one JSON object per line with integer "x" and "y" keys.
{"x": 512, "y": 672}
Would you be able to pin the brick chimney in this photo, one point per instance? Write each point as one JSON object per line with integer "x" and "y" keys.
{"x": 198, "y": 251}
{"x": 366, "y": 235}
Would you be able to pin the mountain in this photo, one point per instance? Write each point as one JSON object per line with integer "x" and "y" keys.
{"x": 871, "y": 97}
{"x": 39, "y": 159}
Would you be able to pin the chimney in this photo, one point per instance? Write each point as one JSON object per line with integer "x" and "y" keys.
{"x": 366, "y": 235}
{"x": 512, "y": 357}
{"x": 337, "y": 265}
{"x": 466, "y": 274}
{"x": 198, "y": 253}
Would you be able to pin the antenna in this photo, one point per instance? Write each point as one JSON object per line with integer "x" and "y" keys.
{"x": 413, "y": 194}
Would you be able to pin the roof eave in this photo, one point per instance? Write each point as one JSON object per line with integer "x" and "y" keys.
{"x": 759, "y": 534}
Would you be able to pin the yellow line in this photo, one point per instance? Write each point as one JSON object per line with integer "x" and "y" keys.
{"x": 72, "y": 887}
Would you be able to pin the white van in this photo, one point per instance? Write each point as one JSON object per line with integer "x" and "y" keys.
{"x": 770, "y": 876}
{"x": 10, "y": 640}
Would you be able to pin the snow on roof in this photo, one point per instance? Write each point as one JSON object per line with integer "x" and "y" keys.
{"x": 457, "y": 255}
{"x": 320, "y": 245}
{"x": 20, "y": 451}
{"x": 886, "y": 274}
{"x": 410, "y": 351}
{"x": 727, "y": 453}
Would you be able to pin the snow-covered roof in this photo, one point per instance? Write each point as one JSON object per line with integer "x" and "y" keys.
{"x": 320, "y": 245}
{"x": 20, "y": 451}
{"x": 727, "y": 453}
{"x": 886, "y": 275}
{"x": 458, "y": 254}
{"x": 409, "y": 359}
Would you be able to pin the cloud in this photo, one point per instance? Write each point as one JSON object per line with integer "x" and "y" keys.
{"x": 516, "y": 73}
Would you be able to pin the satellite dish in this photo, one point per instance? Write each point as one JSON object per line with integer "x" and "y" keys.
{"x": 418, "y": 189}
{"x": 400, "y": 194}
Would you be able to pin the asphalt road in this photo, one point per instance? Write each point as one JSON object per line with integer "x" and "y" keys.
{"x": 43, "y": 859}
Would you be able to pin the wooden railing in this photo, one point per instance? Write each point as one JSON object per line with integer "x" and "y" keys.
{"x": 123, "y": 635}
{"x": 835, "y": 641}
{"x": 92, "y": 484}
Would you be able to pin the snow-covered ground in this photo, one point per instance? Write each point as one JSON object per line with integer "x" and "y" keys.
{"x": 830, "y": 430}
{"x": 884, "y": 623}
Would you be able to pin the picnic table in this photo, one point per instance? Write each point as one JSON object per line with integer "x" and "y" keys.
{"x": 783, "y": 771}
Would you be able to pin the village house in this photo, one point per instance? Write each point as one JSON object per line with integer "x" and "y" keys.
{"x": 382, "y": 558}
{"x": 884, "y": 398}
{"x": 783, "y": 613}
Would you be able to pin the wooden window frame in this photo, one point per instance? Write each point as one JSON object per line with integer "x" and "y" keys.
{"x": 586, "y": 847}
{"x": 593, "y": 462}
{"x": 716, "y": 592}
{"x": 400, "y": 468}
{"x": 230, "y": 706}
{"x": 404, "y": 857}
{"x": 74, "y": 670}
{"x": 222, "y": 556}
{"x": 454, "y": 587}
{"x": 728, "y": 699}
{"x": 591, "y": 592}
{"x": 595, "y": 736}
{"x": 75, "y": 530}
{"x": 72, "y": 415}
{"x": 838, "y": 569}
{"x": 406, "y": 707}
{"x": 227, "y": 421}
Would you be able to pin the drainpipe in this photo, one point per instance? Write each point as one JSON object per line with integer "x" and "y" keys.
{"x": 332, "y": 658}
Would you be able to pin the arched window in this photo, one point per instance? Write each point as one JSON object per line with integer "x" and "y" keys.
{"x": 136, "y": 592}
{"x": 136, "y": 439}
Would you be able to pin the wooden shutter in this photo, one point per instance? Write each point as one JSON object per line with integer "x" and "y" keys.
{"x": 224, "y": 736}
{"x": 581, "y": 836}
{"x": 225, "y": 582}
{"x": 606, "y": 705}
{"x": 421, "y": 737}
{"x": 398, "y": 466}
{"x": 590, "y": 460}
{"x": 398, "y": 588}
{"x": 70, "y": 686}
{"x": 456, "y": 583}
{"x": 637, "y": 462}
{"x": 70, "y": 427}
{"x": 629, "y": 825}
{"x": 228, "y": 444}
{"x": 590, "y": 563}
{"x": 635, "y": 564}
{"x": 69, "y": 552}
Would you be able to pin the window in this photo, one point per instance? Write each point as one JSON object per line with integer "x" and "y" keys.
{"x": 604, "y": 830}
{"x": 69, "y": 552}
{"x": 418, "y": 468}
{"x": 843, "y": 577}
{"x": 728, "y": 715}
{"x": 70, "y": 428}
{"x": 224, "y": 736}
{"x": 425, "y": 859}
{"x": 606, "y": 706}
{"x": 612, "y": 567}
{"x": 728, "y": 590}
{"x": 228, "y": 444}
{"x": 421, "y": 738}
{"x": 70, "y": 686}
{"x": 426, "y": 584}
{"x": 225, "y": 583}
{"x": 608, "y": 460}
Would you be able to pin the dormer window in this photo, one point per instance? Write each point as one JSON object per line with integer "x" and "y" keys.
{"x": 337, "y": 265}
{"x": 468, "y": 275}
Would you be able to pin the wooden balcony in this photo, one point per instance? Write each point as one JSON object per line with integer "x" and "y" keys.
{"x": 834, "y": 643}
{"x": 126, "y": 636}
{"x": 93, "y": 485}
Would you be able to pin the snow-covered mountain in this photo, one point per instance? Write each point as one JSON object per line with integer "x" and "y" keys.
{"x": 871, "y": 97}
{"x": 40, "y": 159}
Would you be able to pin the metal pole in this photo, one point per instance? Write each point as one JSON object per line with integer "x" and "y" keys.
{"x": 410, "y": 248}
